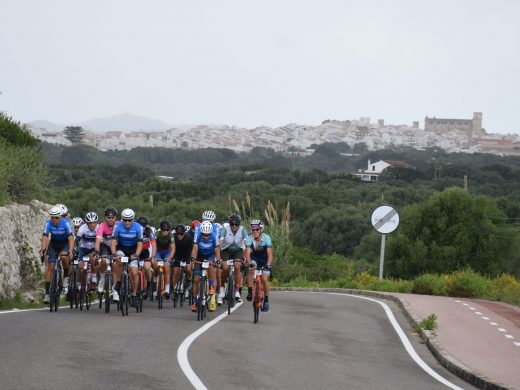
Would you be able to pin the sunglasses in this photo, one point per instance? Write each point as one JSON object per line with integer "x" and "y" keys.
{"x": 206, "y": 235}
{"x": 234, "y": 224}
{"x": 165, "y": 230}
{"x": 127, "y": 220}
{"x": 55, "y": 217}
{"x": 110, "y": 217}
{"x": 255, "y": 230}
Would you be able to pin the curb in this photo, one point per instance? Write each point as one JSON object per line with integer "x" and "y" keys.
{"x": 450, "y": 363}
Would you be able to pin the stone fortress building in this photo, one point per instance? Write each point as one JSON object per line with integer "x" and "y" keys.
{"x": 472, "y": 127}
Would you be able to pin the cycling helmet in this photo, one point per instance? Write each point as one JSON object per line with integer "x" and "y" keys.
{"x": 91, "y": 217}
{"x": 206, "y": 227}
{"x": 194, "y": 224}
{"x": 110, "y": 212}
{"x": 179, "y": 229}
{"x": 55, "y": 211}
{"x": 209, "y": 215}
{"x": 128, "y": 214}
{"x": 234, "y": 219}
{"x": 64, "y": 209}
{"x": 256, "y": 223}
{"x": 143, "y": 221}
{"x": 164, "y": 224}
{"x": 77, "y": 222}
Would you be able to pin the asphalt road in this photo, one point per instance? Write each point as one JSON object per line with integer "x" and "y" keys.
{"x": 306, "y": 341}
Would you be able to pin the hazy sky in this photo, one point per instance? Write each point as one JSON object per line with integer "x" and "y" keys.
{"x": 268, "y": 62}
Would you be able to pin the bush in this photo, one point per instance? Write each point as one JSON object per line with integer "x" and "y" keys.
{"x": 429, "y": 284}
{"x": 365, "y": 279}
{"x": 507, "y": 289}
{"x": 467, "y": 284}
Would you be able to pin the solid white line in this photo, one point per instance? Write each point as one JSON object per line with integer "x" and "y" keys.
{"x": 182, "y": 352}
{"x": 407, "y": 345}
{"x": 15, "y": 310}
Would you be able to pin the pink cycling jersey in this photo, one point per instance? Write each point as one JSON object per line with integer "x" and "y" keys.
{"x": 105, "y": 232}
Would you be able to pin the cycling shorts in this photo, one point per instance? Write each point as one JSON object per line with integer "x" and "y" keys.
{"x": 145, "y": 255}
{"x": 162, "y": 254}
{"x": 104, "y": 250}
{"x": 84, "y": 252}
{"x": 197, "y": 270}
{"x": 227, "y": 254}
{"x": 55, "y": 248}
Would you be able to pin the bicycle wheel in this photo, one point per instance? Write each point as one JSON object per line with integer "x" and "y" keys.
{"x": 160, "y": 287}
{"x": 230, "y": 292}
{"x": 53, "y": 290}
{"x": 107, "y": 292}
{"x": 256, "y": 301}
{"x": 72, "y": 289}
{"x": 122, "y": 296}
{"x": 200, "y": 301}
{"x": 138, "y": 297}
{"x": 181, "y": 283}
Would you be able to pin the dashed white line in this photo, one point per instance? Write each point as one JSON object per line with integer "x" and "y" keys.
{"x": 516, "y": 343}
{"x": 478, "y": 313}
{"x": 501, "y": 330}
{"x": 466, "y": 304}
{"x": 472, "y": 308}
{"x": 493, "y": 323}
{"x": 509, "y": 336}
{"x": 485, "y": 318}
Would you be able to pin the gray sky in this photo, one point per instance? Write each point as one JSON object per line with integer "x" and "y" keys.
{"x": 269, "y": 62}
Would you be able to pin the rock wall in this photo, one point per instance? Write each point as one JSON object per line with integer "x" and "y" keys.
{"x": 20, "y": 234}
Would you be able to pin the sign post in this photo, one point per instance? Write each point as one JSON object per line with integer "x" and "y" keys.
{"x": 384, "y": 220}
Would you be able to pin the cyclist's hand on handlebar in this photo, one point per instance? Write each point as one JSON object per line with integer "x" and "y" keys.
{"x": 192, "y": 259}
{"x": 268, "y": 267}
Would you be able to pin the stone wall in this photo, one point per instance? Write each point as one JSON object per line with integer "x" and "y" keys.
{"x": 20, "y": 234}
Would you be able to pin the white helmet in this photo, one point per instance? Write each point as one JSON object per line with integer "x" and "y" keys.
{"x": 63, "y": 208}
{"x": 209, "y": 215}
{"x": 127, "y": 214}
{"x": 206, "y": 227}
{"x": 91, "y": 217}
{"x": 77, "y": 222}
{"x": 256, "y": 223}
{"x": 55, "y": 211}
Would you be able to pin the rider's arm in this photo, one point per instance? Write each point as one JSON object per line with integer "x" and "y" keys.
{"x": 153, "y": 244}
{"x": 113, "y": 246}
{"x": 139, "y": 248}
{"x": 269, "y": 256}
{"x": 171, "y": 247}
{"x": 247, "y": 254}
{"x": 195, "y": 250}
{"x": 71, "y": 245}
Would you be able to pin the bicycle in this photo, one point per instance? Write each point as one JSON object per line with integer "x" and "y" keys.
{"x": 203, "y": 291}
{"x": 107, "y": 285}
{"x": 141, "y": 287}
{"x": 180, "y": 286}
{"x": 124, "y": 295}
{"x": 56, "y": 286}
{"x": 230, "y": 292}
{"x": 84, "y": 293}
{"x": 258, "y": 291}
{"x": 72, "y": 293}
{"x": 159, "y": 286}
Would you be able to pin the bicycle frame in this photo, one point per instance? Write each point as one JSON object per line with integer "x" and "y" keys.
{"x": 85, "y": 290}
{"x": 160, "y": 283}
{"x": 124, "y": 296}
{"x": 203, "y": 291}
{"x": 258, "y": 294}
{"x": 108, "y": 284}
{"x": 56, "y": 286}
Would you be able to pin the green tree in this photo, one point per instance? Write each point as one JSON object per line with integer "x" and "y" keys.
{"x": 75, "y": 134}
{"x": 452, "y": 230}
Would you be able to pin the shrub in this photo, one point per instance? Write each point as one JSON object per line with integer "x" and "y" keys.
{"x": 429, "y": 284}
{"x": 467, "y": 284}
{"x": 365, "y": 279}
{"x": 506, "y": 288}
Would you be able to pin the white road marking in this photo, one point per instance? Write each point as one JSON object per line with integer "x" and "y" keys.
{"x": 478, "y": 313}
{"x": 501, "y": 330}
{"x": 182, "y": 352}
{"x": 407, "y": 345}
{"x": 517, "y": 344}
{"x": 493, "y": 323}
{"x": 485, "y": 318}
{"x": 456, "y": 300}
{"x": 508, "y": 336}
{"x": 466, "y": 304}
{"x": 472, "y": 308}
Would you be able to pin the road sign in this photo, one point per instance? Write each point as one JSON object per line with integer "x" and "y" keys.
{"x": 385, "y": 219}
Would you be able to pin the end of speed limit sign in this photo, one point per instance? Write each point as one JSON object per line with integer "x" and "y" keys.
{"x": 385, "y": 219}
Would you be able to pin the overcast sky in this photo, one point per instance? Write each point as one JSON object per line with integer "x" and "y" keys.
{"x": 268, "y": 62}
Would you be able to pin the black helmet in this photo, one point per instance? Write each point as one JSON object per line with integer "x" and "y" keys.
{"x": 234, "y": 219}
{"x": 164, "y": 224}
{"x": 143, "y": 221}
{"x": 110, "y": 212}
{"x": 180, "y": 229}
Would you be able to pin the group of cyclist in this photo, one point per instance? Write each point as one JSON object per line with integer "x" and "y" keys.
{"x": 200, "y": 242}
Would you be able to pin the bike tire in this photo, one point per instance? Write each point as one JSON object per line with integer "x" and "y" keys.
{"x": 53, "y": 289}
{"x": 80, "y": 299}
{"x": 230, "y": 292}
{"x": 71, "y": 289}
{"x": 256, "y": 302}
{"x": 107, "y": 293}
{"x": 122, "y": 296}
{"x": 160, "y": 286}
{"x": 88, "y": 300}
{"x": 100, "y": 299}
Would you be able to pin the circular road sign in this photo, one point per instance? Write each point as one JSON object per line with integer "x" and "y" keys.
{"x": 385, "y": 219}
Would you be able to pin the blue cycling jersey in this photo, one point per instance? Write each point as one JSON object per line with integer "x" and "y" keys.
{"x": 128, "y": 236}
{"x": 58, "y": 233}
{"x": 207, "y": 246}
{"x": 215, "y": 232}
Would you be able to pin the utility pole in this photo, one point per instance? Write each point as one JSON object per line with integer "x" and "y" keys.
{"x": 466, "y": 183}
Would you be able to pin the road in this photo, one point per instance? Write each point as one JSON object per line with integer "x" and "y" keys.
{"x": 306, "y": 341}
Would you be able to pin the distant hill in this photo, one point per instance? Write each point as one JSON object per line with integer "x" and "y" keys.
{"x": 124, "y": 122}
{"x": 43, "y": 124}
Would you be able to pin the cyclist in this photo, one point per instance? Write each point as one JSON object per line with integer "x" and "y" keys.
{"x": 149, "y": 240}
{"x": 210, "y": 216}
{"x": 259, "y": 247}
{"x": 104, "y": 234}
{"x": 183, "y": 249}
{"x": 60, "y": 244}
{"x": 76, "y": 222}
{"x": 191, "y": 233}
{"x": 232, "y": 243}
{"x": 86, "y": 238}
{"x": 127, "y": 241}
{"x": 205, "y": 248}
{"x": 165, "y": 251}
